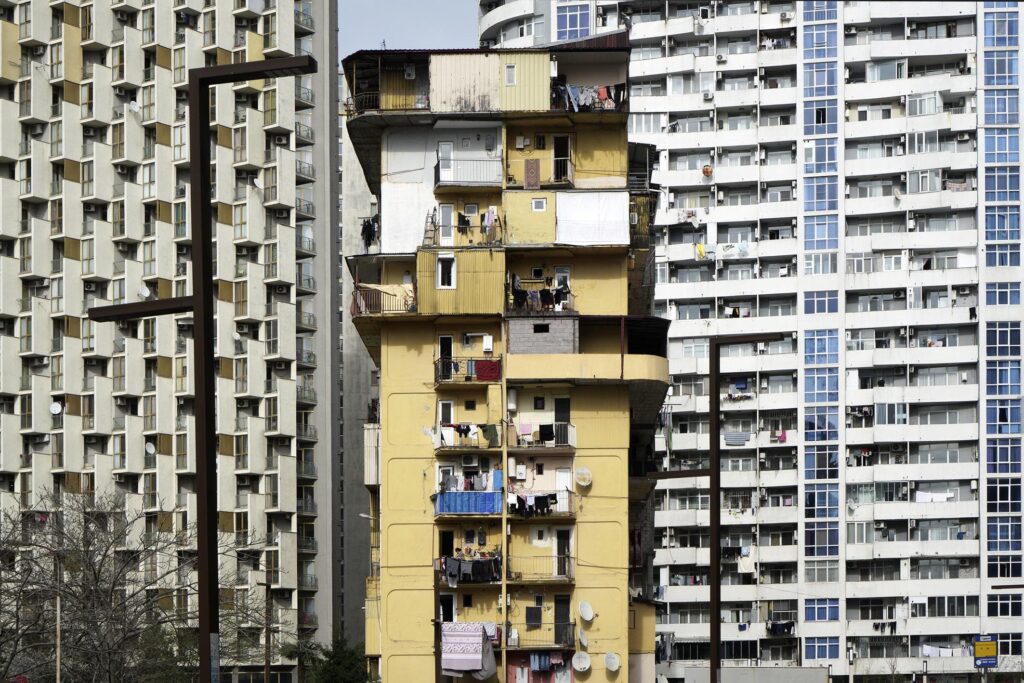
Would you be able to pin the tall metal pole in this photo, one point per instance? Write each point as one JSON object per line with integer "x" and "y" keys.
{"x": 204, "y": 333}
{"x": 715, "y": 570}
{"x": 205, "y": 386}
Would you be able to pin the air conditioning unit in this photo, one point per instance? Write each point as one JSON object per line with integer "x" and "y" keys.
{"x": 120, "y": 401}
{"x": 242, "y": 404}
{"x": 120, "y": 478}
{"x": 37, "y": 129}
{"x": 182, "y": 96}
{"x": 974, "y": 484}
{"x": 709, "y": 96}
{"x": 851, "y": 30}
{"x": 281, "y": 289}
{"x": 40, "y": 362}
{"x": 913, "y": 523}
{"x": 899, "y": 294}
{"x": 119, "y": 91}
{"x": 121, "y": 169}
{"x": 879, "y": 525}
{"x": 89, "y": 208}
{"x": 88, "y": 132}
{"x": 280, "y": 139}
{"x": 39, "y": 50}
{"x": 121, "y": 16}
{"x": 281, "y": 365}
{"x": 965, "y": 562}
{"x": 281, "y": 213}
{"x": 182, "y": 249}
{"x": 963, "y": 290}
{"x": 470, "y": 461}
{"x": 91, "y": 362}
{"x": 89, "y": 286}
{"x": 720, "y": 57}
{"x": 91, "y": 439}
{"x": 963, "y": 137}
{"x": 786, "y": 16}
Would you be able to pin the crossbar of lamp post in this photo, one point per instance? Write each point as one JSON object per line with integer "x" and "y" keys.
{"x": 715, "y": 494}
{"x": 201, "y": 304}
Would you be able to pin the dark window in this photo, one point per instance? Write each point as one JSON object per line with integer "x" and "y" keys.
{"x": 541, "y": 329}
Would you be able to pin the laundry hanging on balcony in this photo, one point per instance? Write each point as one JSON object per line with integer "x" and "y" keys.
{"x": 736, "y": 438}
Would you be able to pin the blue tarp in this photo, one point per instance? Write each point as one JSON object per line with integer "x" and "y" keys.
{"x": 468, "y": 503}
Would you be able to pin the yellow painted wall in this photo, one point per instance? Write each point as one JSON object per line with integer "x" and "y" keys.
{"x": 396, "y": 91}
{"x": 523, "y": 225}
{"x": 598, "y": 283}
{"x": 641, "y": 628}
{"x": 479, "y": 283}
{"x": 483, "y": 200}
{"x": 10, "y": 52}
{"x": 598, "y": 153}
{"x": 393, "y": 271}
{"x": 532, "y": 91}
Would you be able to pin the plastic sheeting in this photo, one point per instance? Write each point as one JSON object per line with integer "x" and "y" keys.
{"x": 592, "y": 218}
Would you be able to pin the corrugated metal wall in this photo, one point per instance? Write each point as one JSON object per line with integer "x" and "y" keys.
{"x": 479, "y": 283}
{"x": 396, "y": 91}
{"x": 532, "y": 91}
{"x": 464, "y": 83}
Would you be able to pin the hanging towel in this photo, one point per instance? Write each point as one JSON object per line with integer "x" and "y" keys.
{"x": 700, "y": 251}
{"x": 745, "y": 564}
{"x": 462, "y": 646}
{"x": 736, "y": 438}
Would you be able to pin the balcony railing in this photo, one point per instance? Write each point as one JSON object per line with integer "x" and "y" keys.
{"x": 468, "y": 172}
{"x": 467, "y": 370}
{"x": 531, "y": 504}
{"x": 468, "y": 436}
{"x": 525, "y": 636}
{"x": 531, "y": 298}
{"x": 546, "y": 435}
{"x": 541, "y": 569}
{"x": 375, "y": 299}
{"x": 469, "y": 570}
{"x": 468, "y": 502}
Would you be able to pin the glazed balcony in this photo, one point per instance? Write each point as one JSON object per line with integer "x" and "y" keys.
{"x": 467, "y": 370}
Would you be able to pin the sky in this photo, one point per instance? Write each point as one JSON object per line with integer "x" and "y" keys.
{"x": 407, "y": 24}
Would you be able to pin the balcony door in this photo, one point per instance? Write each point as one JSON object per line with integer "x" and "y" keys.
{"x": 446, "y": 225}
{"x": 445, "y": 350}
{"x": 563, "y": 549}
{"x": 445, "y": 154}
{"x": 563, "y": 621}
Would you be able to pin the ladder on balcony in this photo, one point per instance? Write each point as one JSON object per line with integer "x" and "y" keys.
{"x": 429, "y": 230}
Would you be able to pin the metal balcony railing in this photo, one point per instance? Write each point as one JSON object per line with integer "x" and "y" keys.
{"x": 541, "y": 569}
{"x": 375, "y": 299}
{"x": 522, "y": 635}
{"x": 468, "y": 436}
{"x": 531, "y": 504}
{"x": 545, "y": 435}
{"x": 467, "y": 370}
{"x": 468, "y": 172}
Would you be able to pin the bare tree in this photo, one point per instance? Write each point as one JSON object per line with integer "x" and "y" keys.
{"x": 23, "y": 618}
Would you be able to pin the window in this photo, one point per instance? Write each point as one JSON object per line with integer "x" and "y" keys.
{"x": 1002, "y": 416}
{"x": 821, "y": 539}
{"x": 1003, "y": 339}
{"x": 644, "y": 123}
{"x": 446, "y": 271}
{"x": 888, "y": 70}
{"x": 1004, "y": 566}
{"x": 821, "y": 462}
{"x": 891, "y": 414}
{"x": 821, "y": 385}
{"x": 820, "y": 79}
{"x": 821, "y": 648}
{"x": 821, "y": 571}
{"x": 821, "y": 193}
{"x": 1003, "y": 495}
{"x": 510, "y": 74}
{"x": 1003, "y": 456}
{"x": 1002, "y": 146}
{"x": 819, "y": 10}
{"x": 540, "y": 204}
{"x": 820, "y": 156}
{"x": 1009, "y": 644}
{"x": 821, "y": 263}
{"x": 821, "y": 501}
{"x": 819, "y": 41}
{"x": 997, "y": 255}
{"x": 1004, "y": 534}
{"x": 923, "y": 104}
{"x": 572, "y": 21}
{"x": 1002, "y": 184}
{"x": 924, "y": 181}
{"x": 825, "y": 301}
{"x": 821, "y": 347}
{"x": 1001, "y": 107}
{"x": 821, "y": 423}
{"x": 821, "y": 609}
{"x": 820, "y": 117}
{"x": 1002, "y": 377}
{"x": 1002, "y": 223}
{"x": 1001, "y": 67}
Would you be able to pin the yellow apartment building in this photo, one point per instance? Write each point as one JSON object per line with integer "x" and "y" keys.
{"x": 504, "y": 294}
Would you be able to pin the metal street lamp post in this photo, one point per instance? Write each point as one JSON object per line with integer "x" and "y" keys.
{"x": 201, "y": 304}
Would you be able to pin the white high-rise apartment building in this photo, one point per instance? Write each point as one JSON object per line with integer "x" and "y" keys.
{"x": 94, "y": 190}
{"x": 846, "y": 174}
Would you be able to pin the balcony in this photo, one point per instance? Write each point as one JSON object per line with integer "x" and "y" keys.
{"x": 523, "y": 636}
{"x": 561, "y": 435}
{"x": 541, "y": 569}
{"x": 533, "y": 298}
{"x": 467, "y": 436}
{"x": 371, "y": 454}
{"x": 468, "y": 173}
{"x": 468, "y": 503}
{"x": 382, "y": 299}
{"x": 305, "y": 506}
{"x": 476, "y": 570}
{"x": 530, "y": 504}
{"x": 467, "y": 370}
{"x": 550, "y": 173}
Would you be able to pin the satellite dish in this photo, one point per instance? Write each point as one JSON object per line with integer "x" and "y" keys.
{"x": 144, "y": 292}
{"x": 236, "y": 337}
{"x": 581, "y": 662}
{"x": 257, "y": 184}
{"x": 135, "y": 106}
{"x": 150, "y": 448}
{"x": 586, "y": 611}
{"x": 584, "y": 477}
{"x": 583, "y": 639}
{"x": 611, "y": 661}
{"x": 56, "y": 408}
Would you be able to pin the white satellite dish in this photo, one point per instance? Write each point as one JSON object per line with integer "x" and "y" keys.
{"x": 581, "y": 662}
{"x": 144, "y": 292}
{"x": 584, "y": 477}
{"x": 135, "y": 106}
{"x": 236, "y": 337}
{"x": 611, "y": 661}
{"x": 150, "y": 448}
{"x": 583, "y": 639}
{"x": 586, "y": 611}
{"x": 56, "y": 408}
{"x": 257, "y": 184}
